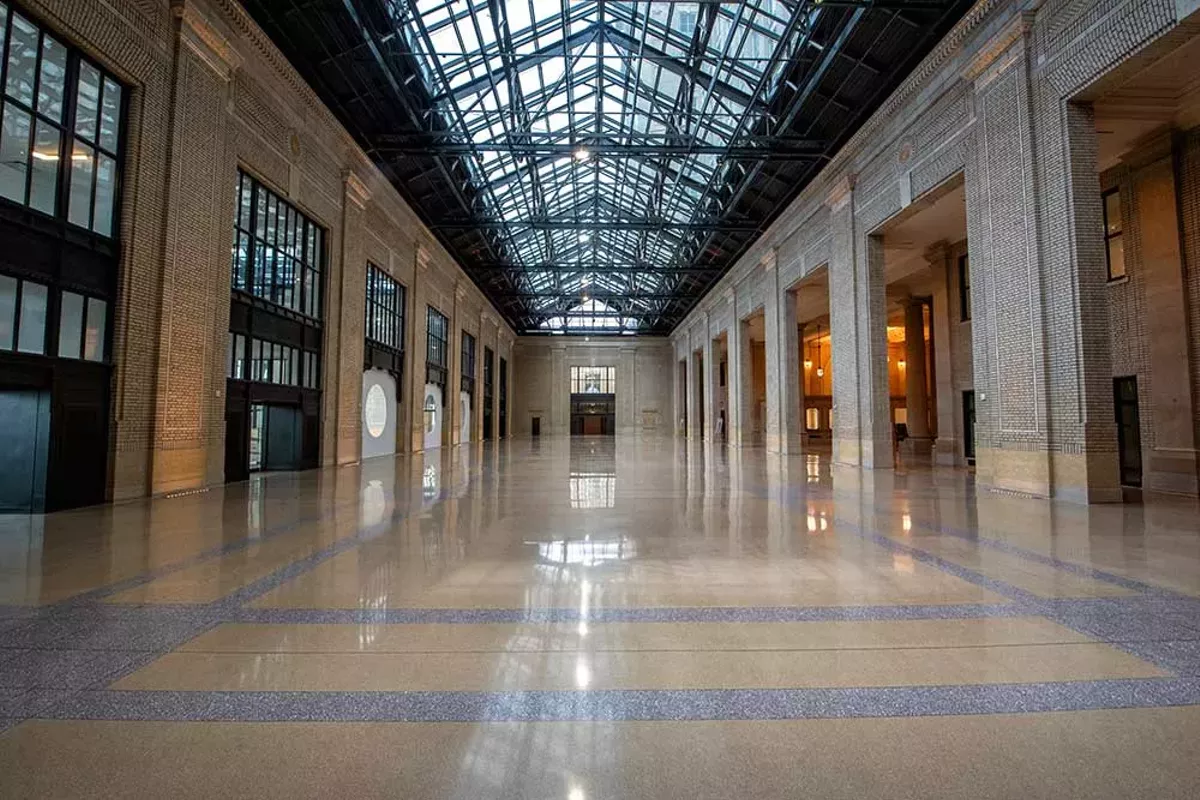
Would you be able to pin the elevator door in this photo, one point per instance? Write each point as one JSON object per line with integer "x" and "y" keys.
{"x": 1129, "y": 432}
{"x": 24, "y": 440}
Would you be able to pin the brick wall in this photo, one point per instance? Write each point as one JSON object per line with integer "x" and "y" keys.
{"x": 209, "y": 93}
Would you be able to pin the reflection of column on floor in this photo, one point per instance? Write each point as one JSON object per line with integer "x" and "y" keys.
{"x": 917, "y": 394}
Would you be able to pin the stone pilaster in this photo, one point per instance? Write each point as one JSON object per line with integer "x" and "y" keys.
{"x": 188, "y": 441}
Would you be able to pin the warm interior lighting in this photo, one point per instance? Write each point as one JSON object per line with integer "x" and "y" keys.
{"x": 807, "y": 364}
{"x": 40, "y": 156}
{"x": 820, "y": 372}
{"x": 895, "y": 334}
{"x": 900, "y": 364}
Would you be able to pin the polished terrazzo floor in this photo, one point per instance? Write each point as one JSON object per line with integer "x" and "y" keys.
{"x": 590, "y": 618}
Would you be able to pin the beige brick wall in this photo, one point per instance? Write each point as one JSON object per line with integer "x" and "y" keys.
{"x": 644, "y": 383}
{"x": 209, "y": 93}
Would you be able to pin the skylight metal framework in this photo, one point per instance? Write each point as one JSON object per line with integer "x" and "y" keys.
{"x": 597, "y": 165}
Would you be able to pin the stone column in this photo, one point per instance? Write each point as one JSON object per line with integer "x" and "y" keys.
{"x": 560, "y": 393}
{"x": 915, "y": 379}
{"x": 454, "y": 377}
{"x": 349, "y": 341}
{"x": 417, "y": 332}
{"x": 1167, "y": 400}
{"x": 946, "y": 447}
{"x": 707, "y": 396}
{"x": 782, "y": 362}
{"x": 738, "y": 355}
{"x": 843, "y": 329}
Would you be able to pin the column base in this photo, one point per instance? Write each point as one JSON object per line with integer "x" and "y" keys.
{"x": 917, "y": 446}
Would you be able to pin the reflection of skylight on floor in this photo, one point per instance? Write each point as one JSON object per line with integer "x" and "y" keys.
{"x": 586, "y": 553}
{"x": 593, "y": 491}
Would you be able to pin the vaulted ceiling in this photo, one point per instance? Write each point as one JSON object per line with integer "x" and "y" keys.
{"x": 596, "y": 166}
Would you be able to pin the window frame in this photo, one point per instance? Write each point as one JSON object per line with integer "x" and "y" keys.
{"x": 964, "y": 288}
{"x": 261, "y": 235}
{"x": 1109, "y": 237}
{"x": 607, "y": 379}
{"x": 467, "y": 363}
{"x": 437, "y": 347}
{"x": 67, "y": 128}
{"x": 390, "y": 308}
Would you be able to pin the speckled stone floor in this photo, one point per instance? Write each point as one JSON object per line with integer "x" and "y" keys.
{"x": 598, "y": 618}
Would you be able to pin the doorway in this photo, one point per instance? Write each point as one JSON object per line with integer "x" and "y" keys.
{"x": 24, "y": 439}
{"x": 968, "y": 411}
{"x": 276, "y": 436}
{"x": 1129, "y": 432}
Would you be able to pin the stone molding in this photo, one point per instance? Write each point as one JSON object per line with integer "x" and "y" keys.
{"x": 205, "y": 40}
{"x": 357, "y": 192}
{"x": 839, "y": 196}
{"x": 999, "y": 52}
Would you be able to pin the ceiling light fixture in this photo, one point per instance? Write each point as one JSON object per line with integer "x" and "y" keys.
{"x": 582, "y": 154}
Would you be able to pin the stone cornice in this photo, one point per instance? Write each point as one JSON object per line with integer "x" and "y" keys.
{"x": 994, "y": 57}
{"x": 841, "y": 193}
{"x": 357, "y": 192}
{"x": 205, "y": 40}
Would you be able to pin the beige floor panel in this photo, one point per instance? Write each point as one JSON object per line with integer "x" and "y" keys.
{"x": 1099, "y": 755}
{"x": 344, "y": 672}
{"x": 593, "y": 637}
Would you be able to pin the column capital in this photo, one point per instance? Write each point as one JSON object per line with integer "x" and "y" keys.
{"x": 204, "y": 39}
{"x": 999, "y": 52}
{"x": 769, "y": 259}
{"x": 357, "y": 192}
{"x": 841, "y": 192}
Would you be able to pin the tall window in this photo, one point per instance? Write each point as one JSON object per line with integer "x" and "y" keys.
{"x": 1114, "y": 241}
{"x": 278, "y": 252}
{"x": 593, "y": 380}
{"x": 467, "y": 363}
{"x": 385, "y": 309}
{"x": 60, "y": 130}
{"x": 437, "y": 343}
{"x": 964, "y": 287}
{"x": 489, "y": 359}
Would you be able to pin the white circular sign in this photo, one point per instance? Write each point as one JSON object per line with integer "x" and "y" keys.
{"x": 375, "y": 412}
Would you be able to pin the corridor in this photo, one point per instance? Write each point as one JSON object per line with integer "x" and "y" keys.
{"x": 598, "y": 618}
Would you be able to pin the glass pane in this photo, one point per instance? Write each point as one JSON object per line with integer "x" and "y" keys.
{"x": 14, "y": 153}
{"x": 70, "y": 325}
{"x": 31, "y": 338}
{"x": 89, "y": 101}
{"x": 1112, "y": 213}
{"x": 239, "y": 356}
{"x": 53, "y": 78}
{"x": 43, "y": 185}
{"x": 79, "y": 209}
{"x": 110, "y": 116}
{"x": 93, "y": 340}
{"x": 22, "y": 59}
{"x": 106, "y": 187}
{"x": 8, "y": 310}
{"x": 244, "y": 202}
{"x": 1116, "y": 257}
{"x": 294, "y": 374}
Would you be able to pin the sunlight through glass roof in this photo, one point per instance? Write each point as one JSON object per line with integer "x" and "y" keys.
{"x": 596, "y": 132}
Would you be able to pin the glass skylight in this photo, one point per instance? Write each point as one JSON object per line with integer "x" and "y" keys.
{"x": 566, "y": 109}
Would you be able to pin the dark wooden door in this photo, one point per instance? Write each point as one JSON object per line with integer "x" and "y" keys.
{"x": 1129, "y": 431}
